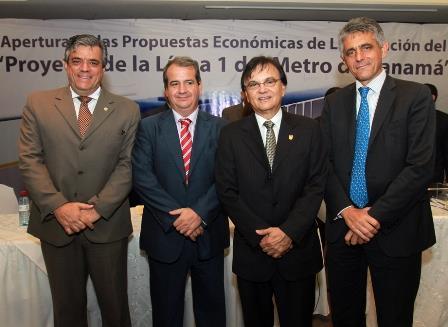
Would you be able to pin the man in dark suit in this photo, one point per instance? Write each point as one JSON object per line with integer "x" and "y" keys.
{"x": 270, "y": 176}
{"x": 184, "y": 229}
{"x": 441, "y": 166}
{"x": 381, "y": 153}
{"x": 134, "y": 199}
{"x": 75, "y": 158}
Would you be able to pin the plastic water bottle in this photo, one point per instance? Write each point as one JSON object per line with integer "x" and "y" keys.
{"x": 24, "y": 208}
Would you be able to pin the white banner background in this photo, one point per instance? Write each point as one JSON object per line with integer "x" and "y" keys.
{"x": 31, "y": 53}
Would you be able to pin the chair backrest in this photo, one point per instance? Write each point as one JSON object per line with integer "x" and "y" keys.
{"x": 8, "y": 200}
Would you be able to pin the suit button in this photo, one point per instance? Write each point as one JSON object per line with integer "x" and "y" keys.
{"x": 274, "y": 203}
{"x": 81, "y": 147}
{"x": 75, "y": 194}
{"x": 80, "y": 172}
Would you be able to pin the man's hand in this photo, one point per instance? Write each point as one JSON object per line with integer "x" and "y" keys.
{"x": 275, "y": 242}
{"x": 187, "y": 220}
{"x": 361, "y": 223}
{"x": 196, "y": 233}
{"x": 353, "y": 239}
{"x": 69, "y": 216}
{"x": 89, "y": 217}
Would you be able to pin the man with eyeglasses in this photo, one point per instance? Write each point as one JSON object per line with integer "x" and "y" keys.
{"x": 75, "y": 158}
{"x": 270, "y": 177}
{"x": 184, "y": 229}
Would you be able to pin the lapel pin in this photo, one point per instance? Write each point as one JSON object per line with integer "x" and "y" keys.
{"x": 290, "y": 137}
{"x": 106, "y": 109}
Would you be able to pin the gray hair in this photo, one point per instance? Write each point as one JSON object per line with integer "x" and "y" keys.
{"x": 85, "y": 40}
{"x": 182, "y": 62}
{"x": 363, "y": 25}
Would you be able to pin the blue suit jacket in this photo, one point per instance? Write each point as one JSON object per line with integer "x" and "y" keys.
{"x": 158, "y": 175}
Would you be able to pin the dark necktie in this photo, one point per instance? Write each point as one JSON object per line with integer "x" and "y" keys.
{"x": 84, "y": 116}
{"x": 270, "y": 141}
{"x": 186, "y": 144}
{"x": 358, "y": 185}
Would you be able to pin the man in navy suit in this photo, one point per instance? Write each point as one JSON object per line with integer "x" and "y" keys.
{"x": 380, "y": 135}
{"x": 184, "y": 229}
{"x": 270, "y": 176}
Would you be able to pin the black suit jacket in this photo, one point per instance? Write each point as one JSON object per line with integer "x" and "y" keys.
{"x": 288, "y": 198}
{"x": 399, "y": 164}
{"x": 441, "y": 168}
{"x": 158, "y": 175}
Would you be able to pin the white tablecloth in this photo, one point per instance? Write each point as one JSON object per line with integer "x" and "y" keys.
{"x": 431, "y": 304}
{"x": 26, "y": 298}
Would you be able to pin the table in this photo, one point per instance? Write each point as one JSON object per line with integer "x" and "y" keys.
{"x": 25, "y": 292}
{"x": 26, "y": 297}
{"x": 431, "y": 304}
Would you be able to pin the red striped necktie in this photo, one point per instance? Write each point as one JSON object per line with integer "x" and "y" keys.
{"x": 186, "y": 144}
{"x": 84, "y": 116}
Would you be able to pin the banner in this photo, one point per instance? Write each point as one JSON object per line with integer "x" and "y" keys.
{"x": 32, "y": 51}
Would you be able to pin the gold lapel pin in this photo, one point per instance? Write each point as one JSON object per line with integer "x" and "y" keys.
{"x": 106, "y": 109}
{"x": 290, "y": 137}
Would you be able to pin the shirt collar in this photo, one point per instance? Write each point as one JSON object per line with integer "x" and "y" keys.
{"x": 193, "y": 116}
{"x": 95, "y": 95}
{"x": 375, "y": 84}
{"x": 276, "y": 119}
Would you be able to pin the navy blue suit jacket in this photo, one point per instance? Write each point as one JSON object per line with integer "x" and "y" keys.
{"x": 158, "y": 175}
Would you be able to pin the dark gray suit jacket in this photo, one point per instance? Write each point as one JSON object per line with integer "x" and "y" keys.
{"x": 158, "y": 174}
{"x": 399, "y": 166}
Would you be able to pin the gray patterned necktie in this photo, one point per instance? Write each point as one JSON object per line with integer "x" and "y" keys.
{"x": 270, "y": 141}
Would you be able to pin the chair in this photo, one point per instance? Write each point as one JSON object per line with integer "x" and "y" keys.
{"x": 8, "y": 200}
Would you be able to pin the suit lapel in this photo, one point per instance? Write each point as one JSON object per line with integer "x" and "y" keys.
{"x": 284, "y": 140}
{"x": 201, "y": 135}
{"x": 385, "y": 101}
{"x": 168, "y": 131}
{"x": 64, "y": 104}
{"x": 104, "y": 107}
{"x": 349, "y": 115}
{"x": 253, "y": 140}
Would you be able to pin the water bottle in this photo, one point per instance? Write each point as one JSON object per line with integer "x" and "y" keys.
{"x": 24, "y": 208}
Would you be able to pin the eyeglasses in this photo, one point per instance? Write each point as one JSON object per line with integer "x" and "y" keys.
{"x": 254, "y": 85}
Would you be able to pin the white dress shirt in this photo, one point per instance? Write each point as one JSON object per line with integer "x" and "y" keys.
{"x": 94, "y": 96}
{"x": 277, "y": 120}
{"x": 193, "y": 117}
{"x": 375, "y": 86}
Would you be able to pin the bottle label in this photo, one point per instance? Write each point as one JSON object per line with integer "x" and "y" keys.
{"x": 24, "y": 207}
